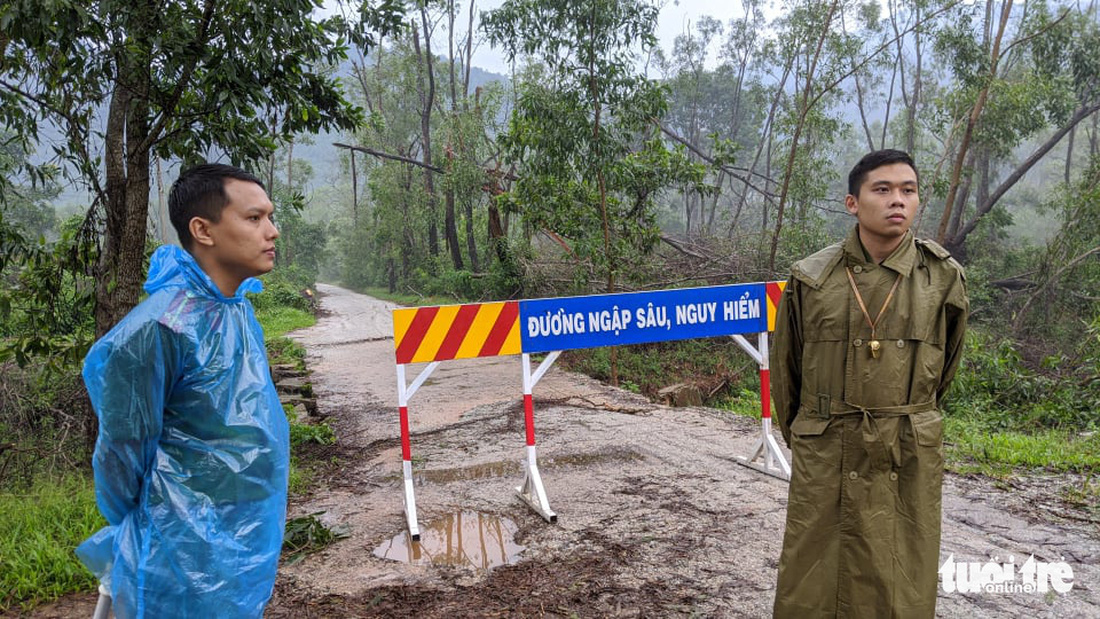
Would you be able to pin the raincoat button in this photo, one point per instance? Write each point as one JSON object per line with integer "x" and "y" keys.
{"x": 893, "y": 476}
{"x": 857, "y": 343}
{"x": 857, "y": 269}
{"x": 853, "y": 475}
{"x": 901, "y": 343}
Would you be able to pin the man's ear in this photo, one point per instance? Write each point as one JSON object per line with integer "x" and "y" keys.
{"x": 850, "y": 203}
{"x": 200, "y": 231}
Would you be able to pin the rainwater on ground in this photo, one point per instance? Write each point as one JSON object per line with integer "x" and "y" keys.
{"x": 465, "y": 538}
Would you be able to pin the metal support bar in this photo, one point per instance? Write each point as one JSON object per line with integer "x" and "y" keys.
{"x": 542, "y": 369}
{"x": 403, "y": 394}
{"x": 532, "y": 491}
{"x": 410, "y": 501}
{"x": 766, "y": 448}
{"x": 103, "y": 604}
{"x": 749, "y": 348}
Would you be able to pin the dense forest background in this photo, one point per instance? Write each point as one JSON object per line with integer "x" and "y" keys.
{"x": 603, "y": 162}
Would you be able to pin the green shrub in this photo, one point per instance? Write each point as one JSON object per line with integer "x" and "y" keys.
{"x": 281, "y": 293}
{"x": 307, "y": 534}
{"x": 44, "y": 422}
{"x": 717, "y": 366}
{"x": 996, "y": 390}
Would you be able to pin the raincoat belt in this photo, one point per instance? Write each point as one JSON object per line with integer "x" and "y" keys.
{"x": 869, "y": 425}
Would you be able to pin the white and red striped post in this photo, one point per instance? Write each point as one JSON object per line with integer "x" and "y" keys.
{"x": 766, "y": 448}
{"x": 532, "y": 491}
{"x": 403, "y": 394}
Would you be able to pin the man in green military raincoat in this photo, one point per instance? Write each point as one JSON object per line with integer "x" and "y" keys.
{"x": 867, "y": 339}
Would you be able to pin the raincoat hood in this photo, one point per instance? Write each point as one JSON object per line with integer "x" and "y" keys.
{"x": 173, "y": 267}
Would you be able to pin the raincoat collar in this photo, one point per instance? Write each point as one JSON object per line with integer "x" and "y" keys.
{"x": 902, "y": 260}
{"x": 172, "y": 267}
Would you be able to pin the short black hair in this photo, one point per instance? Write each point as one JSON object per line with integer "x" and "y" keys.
{"x": 877, "y": 159}
{"x": 200, "y": 192}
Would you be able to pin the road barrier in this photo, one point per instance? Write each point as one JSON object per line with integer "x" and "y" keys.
{"x": 442, "y": 333}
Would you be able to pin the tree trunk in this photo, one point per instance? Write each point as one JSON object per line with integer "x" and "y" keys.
{"x": 804, "y": 110}
{"x": 450, "y": 224}
{"x": 120, "y": 270}
{"x": 964, "y": 192}
{"x": 957, "y": 242}
{"x": 289, "y": 167}
{"x": 354, "y": 193}
{"x": 471, "y": 240}
{"x": 427, "y": 101}
{"x": 1069, "y": 154}
{"x": 971, "y": 124}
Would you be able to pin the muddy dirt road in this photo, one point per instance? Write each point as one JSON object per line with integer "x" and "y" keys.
{"x": 655, "y": 518}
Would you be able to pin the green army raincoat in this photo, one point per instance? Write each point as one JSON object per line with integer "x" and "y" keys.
{"x": 863, "y": 516}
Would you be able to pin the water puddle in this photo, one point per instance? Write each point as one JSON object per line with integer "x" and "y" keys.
{"x": 466, "y": 538}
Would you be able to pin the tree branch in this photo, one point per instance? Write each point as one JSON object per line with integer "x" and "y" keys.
{"x": 381, "y": 155}
{"x": 166, "y": 110}
{"x": 732, "y": 171}
{"x": 1082, "y": 113}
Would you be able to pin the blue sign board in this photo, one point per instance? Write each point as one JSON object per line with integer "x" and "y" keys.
{"x": 640, "y": 317}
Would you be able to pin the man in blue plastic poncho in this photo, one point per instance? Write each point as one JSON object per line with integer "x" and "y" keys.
{"x": 193, "y": 451}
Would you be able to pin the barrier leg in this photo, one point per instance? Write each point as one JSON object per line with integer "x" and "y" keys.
{"x": 407, "y": 472}
{"x": 103, "y": 604}
{"x": 766, "y": 449}
{"x": 532, "y": 491}
{"x": 403, "y": 394}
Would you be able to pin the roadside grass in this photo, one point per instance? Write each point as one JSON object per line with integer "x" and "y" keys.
{"x": 972, "y": 448}
{"x": 280, "y": 320}
{"x": 40, "y": 530}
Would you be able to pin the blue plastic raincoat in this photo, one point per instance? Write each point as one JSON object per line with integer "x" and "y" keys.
{"x": 193, "y": 451}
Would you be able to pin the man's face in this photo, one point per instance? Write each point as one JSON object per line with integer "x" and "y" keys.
{"x": 887, "y": 202}
{"x": 244, "y": 237}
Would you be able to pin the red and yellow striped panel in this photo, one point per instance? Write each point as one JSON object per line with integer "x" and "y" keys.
{"x": 775, "y": 291}
{"x": 446, "y": 332}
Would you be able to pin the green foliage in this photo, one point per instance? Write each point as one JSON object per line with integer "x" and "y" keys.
{"x": 744, "y": 402}
{"x": 717, "y": 366}
{"x": 46, "y": 292}
{"x": 178, "y": 80}
{"x": 389, "y": 235}
{"x": 301, "y": 246}
{"x": 284, "y": 289}
{"x": 306, "y": 535}
{"x": 590, "y": 163}
{"x": 303, "y": 433}
{"x": 996, "y": 391}
{"x": 284, "y": 306}
{"x": 41, "y": 527}
{"x": 46, "y": 301}
{"x": 42, "y": 424}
